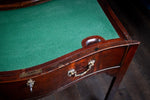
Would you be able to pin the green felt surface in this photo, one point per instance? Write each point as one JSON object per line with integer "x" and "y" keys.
{"x": 34, "y": 35}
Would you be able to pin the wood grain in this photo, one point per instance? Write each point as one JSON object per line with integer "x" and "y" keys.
{"x": 53, "y": 77}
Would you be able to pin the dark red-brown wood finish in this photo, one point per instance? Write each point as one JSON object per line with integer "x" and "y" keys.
{"x": 14, "y": 4}
{"x": 111, "y": 56}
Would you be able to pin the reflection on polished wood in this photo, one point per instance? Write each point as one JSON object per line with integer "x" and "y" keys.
{"x": 53, "y": 75}
{"x": 14, "y": 4}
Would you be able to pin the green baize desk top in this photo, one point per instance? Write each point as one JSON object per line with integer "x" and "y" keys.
{"x": 37, "y": 34}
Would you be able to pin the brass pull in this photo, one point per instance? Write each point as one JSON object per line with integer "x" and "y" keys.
{"x": 73, "y": 72}
{"x": 30, "y": 83}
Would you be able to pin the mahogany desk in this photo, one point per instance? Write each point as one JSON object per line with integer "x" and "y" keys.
{"x": 50, "y": 46}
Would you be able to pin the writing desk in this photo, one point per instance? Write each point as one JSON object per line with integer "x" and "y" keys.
{"x": 47, "y": 47}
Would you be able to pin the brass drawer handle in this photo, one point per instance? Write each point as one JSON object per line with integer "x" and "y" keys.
{"x": 30, "y": 83}
{"x": 73, "y": 72}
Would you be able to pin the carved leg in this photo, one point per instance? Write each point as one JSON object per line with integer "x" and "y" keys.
{"x": 120, "y": 74}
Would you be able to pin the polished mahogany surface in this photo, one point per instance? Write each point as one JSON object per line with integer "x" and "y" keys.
{"x": 34, "y": 35}
{"x": 97, "y": 55}
{"x": 15, "y": 4}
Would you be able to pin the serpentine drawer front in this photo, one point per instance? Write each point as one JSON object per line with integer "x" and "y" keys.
{"x": 41, "y": 49}
{"x": 63, "y": 76}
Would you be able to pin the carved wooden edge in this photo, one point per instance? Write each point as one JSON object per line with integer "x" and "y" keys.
{"x": 83, "y": 52}
{"x": 21, "y": 4}
{"x": 128, "y": 56}
{"x": 122, "y": 32}
{"x": 113, "y": 71}
{"x": 10, "y": 76}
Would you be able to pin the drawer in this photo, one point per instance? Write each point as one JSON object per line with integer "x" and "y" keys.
{"x": 61, "y": 77}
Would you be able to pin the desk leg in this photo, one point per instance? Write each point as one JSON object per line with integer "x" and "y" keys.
{"x": 120, "y": 74}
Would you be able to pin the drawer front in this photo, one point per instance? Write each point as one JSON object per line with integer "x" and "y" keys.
{"x": 63, "y": 76}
